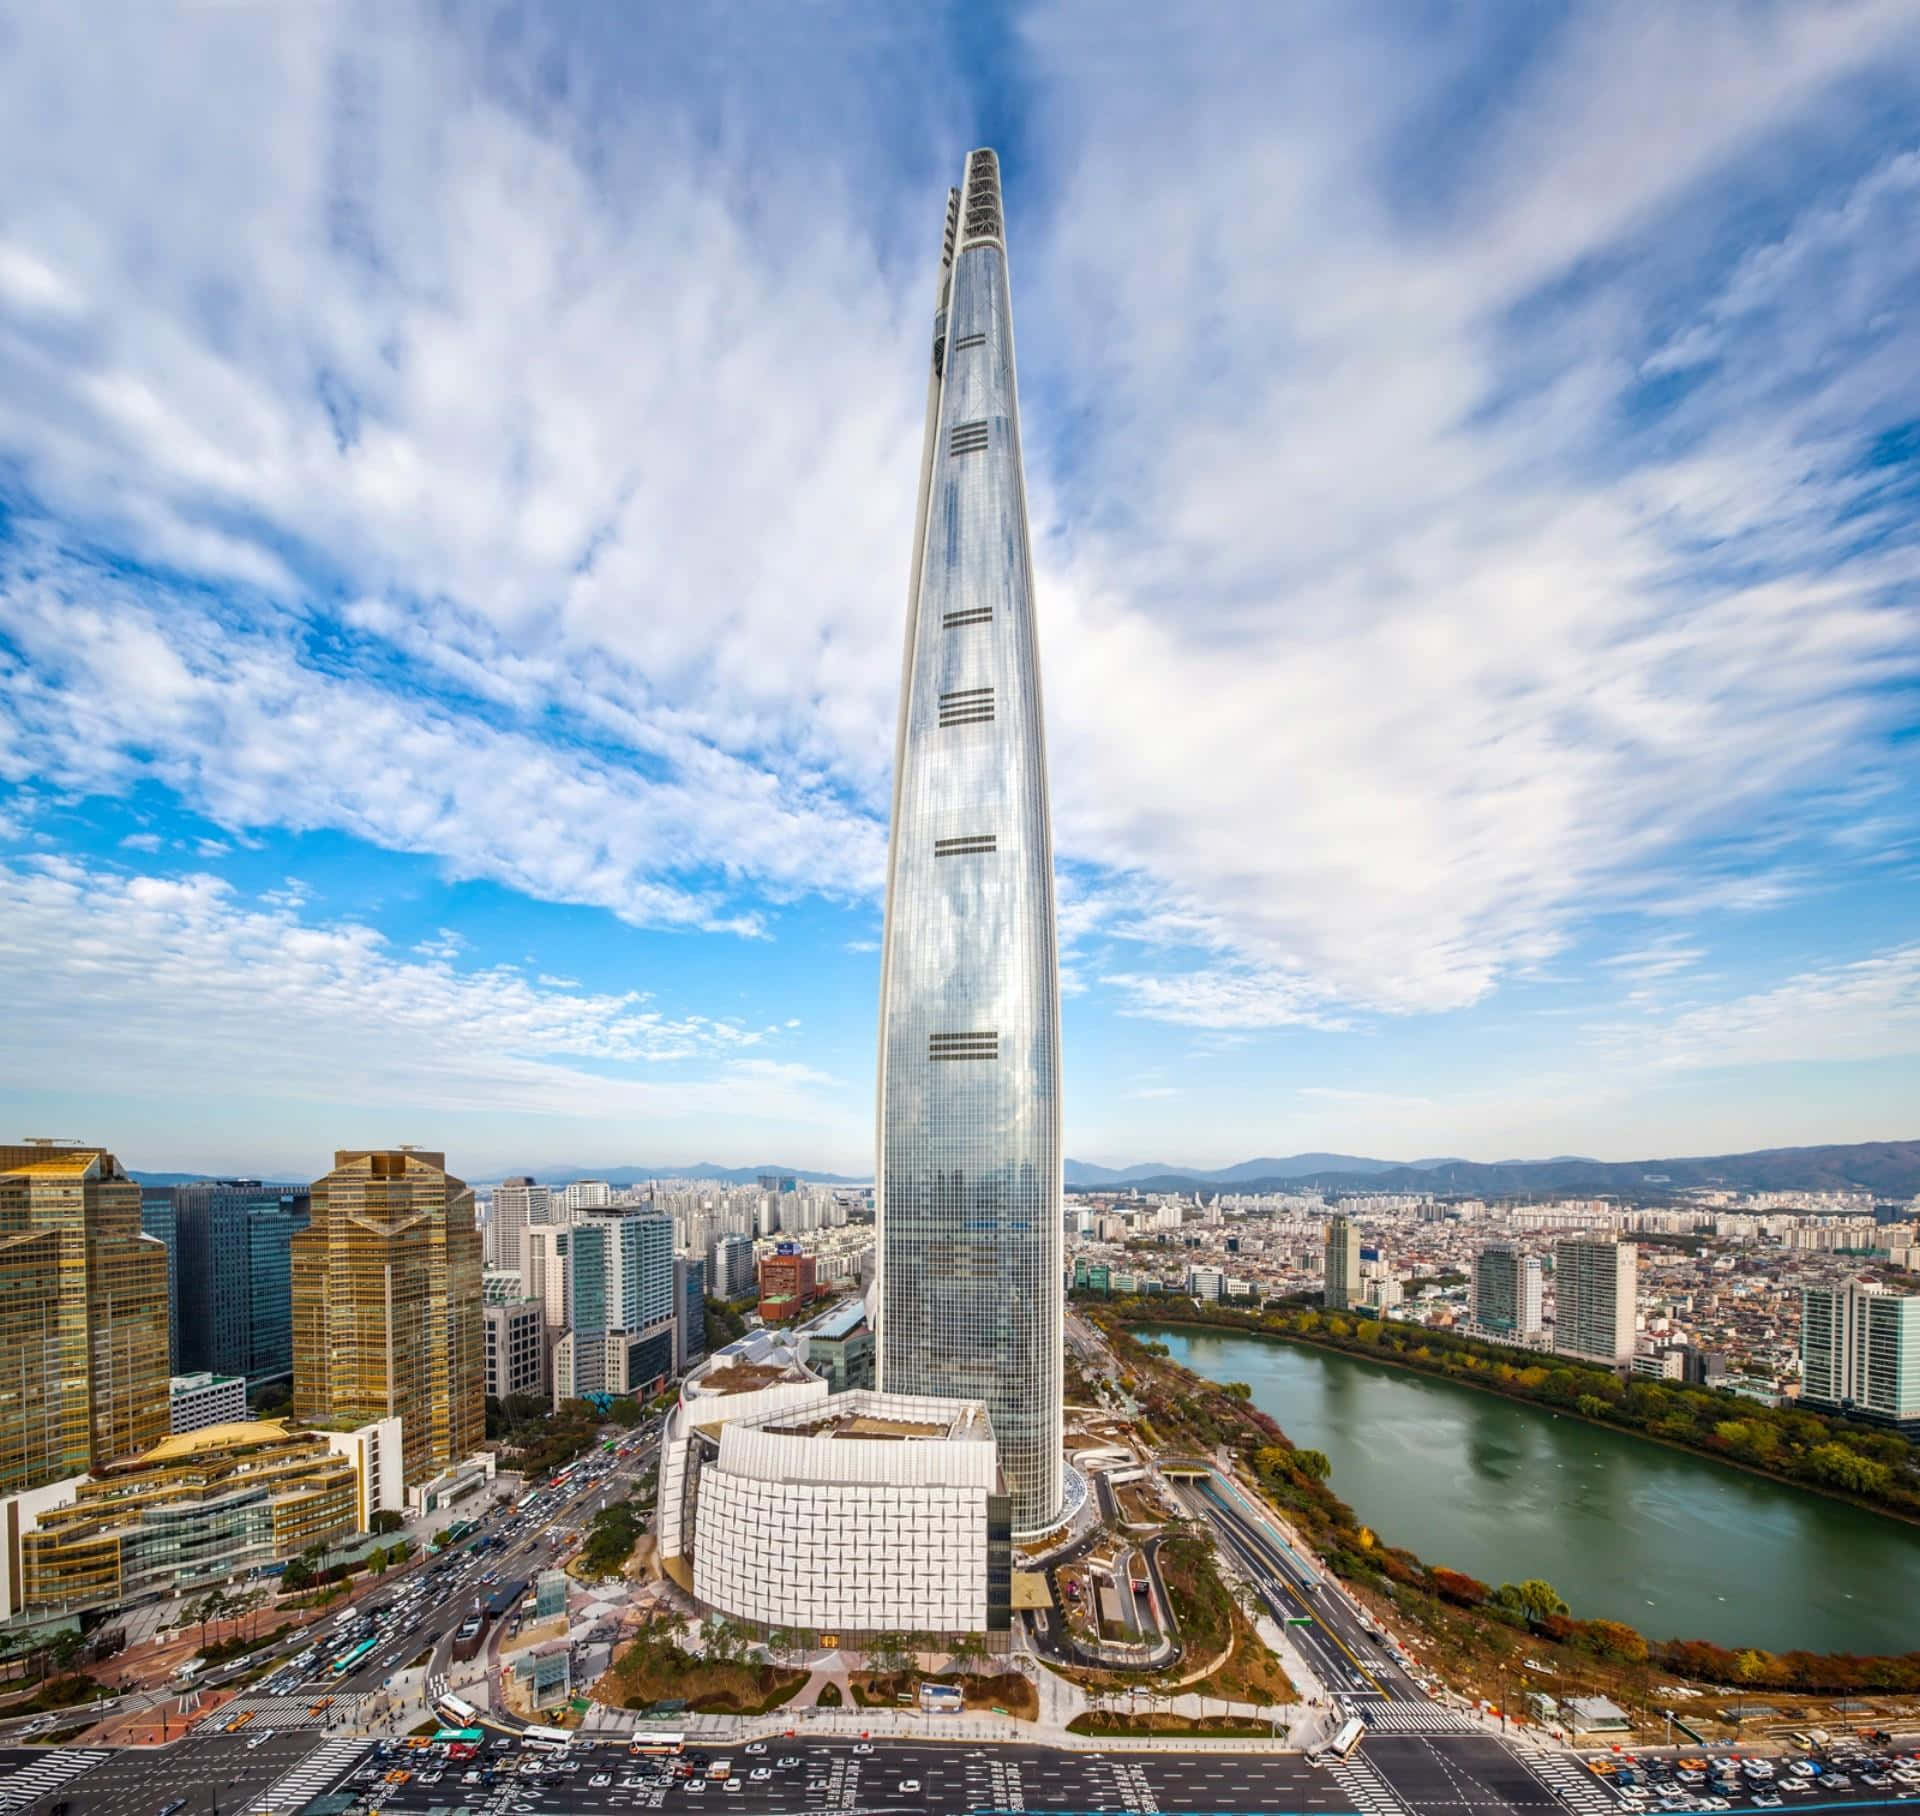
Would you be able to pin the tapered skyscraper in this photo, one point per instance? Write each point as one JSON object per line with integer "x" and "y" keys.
{"x": 969, "y": 1182}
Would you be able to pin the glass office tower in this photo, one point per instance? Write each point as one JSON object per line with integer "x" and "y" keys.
{"x": 969, "y": 1274}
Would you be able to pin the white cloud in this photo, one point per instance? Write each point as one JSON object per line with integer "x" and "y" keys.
{"x": 1384, "y": 639}
{"x": 116, "y": 982}
{"x": 1868, "y": 1009}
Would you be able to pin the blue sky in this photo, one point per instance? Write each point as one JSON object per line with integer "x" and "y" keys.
{"x": 456, "y": 480}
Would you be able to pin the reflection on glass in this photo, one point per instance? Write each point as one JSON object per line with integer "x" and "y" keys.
{"x": 970, "y": 1291}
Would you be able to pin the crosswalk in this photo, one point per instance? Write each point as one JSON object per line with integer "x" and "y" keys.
{"x": 1360, "y": 1780}
{"x": 1418, "y": 1718}
{"x": 51, "y": 1773}
{"x": 1569, "y": 1781}
{"x": 320, "y": 1771}
{"x": 282, "y": 1712}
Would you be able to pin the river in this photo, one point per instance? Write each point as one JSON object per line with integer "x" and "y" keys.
{"x": 1669, "y": 1542}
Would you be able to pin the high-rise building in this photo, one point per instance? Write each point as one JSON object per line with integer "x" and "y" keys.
{"x": 387, "y": 1304}
{"x": 516, "y": 1347}
{"x": 733, "y": 1276}
{"x": 690, "y": 1312}
{"x": 516, "y": 1204}
{"x": 1341, "y": 1264}
{"x": 157, "y": 1220}
{"x": 968, "y": 1189}
{"x": 1506, "y": 1294}
{"x": 1595, "y": 1284}
{"x": 83, "y": 1316}
{"x": 1860, "y": 1353}
{"x": 234, "y": 1243}
{"x": 788, "y": 1282}
{"x": 620, "y": 1306}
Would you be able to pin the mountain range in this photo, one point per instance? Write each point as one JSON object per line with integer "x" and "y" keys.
{"x": 1890, "y": 1169}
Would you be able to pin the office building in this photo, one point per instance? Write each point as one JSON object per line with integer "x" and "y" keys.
{"x": 1860, "y": 1353}
{"x": 377, "y": 1454}
{"x": 690, "y": 1323}
{"x": 1342, "y": 1264}
{"x": 1595, "y": 1285}
{"x": 157, "y": 1220}
{"x": 196, "y": 1509}
{"x": 196, "y": 1401}
{"x": 786, "y": 1505}
{"x": 83, "y": 1316}
{"x": 516, "y": 1347}
{"x": 620, "y": 1304}
{"x": 515, "y": 1205}
{"x": 787, "y": 1284}
{"x": 233, "y": 1240}
{"x": 387, "y": 1305}
{"x": 733, "y": 1274}
{"x": 1507, "y": 1295}
{"x": 968, "y": 1190}
{"x": 839, "y": 1347}
{"x": 546, "y": 1273}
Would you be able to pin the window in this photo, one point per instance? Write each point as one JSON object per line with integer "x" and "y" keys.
{"x": 975, "y": 1044}
{"x": 967, "y": 438}
{"x": 969, "y": 340}
{"x": 967, "y": 706}
{"x": 966, "y": 847}
{"x": 974, "y": 614}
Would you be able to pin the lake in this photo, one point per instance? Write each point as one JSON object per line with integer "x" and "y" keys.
{"x": 1671, "y": 1543}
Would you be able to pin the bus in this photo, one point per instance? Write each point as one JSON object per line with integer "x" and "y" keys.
{"x": 1348, "y": 1738}
{"x": 347, "y": 1660}
{"x": 658, "y": 1746}
{"x": 552, "y": 1736}
{"x": 456, "y": 1709}
{"x": 460, "y": 1737}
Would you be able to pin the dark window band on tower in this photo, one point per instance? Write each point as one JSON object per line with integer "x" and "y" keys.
{"x": 967, "y": 706}
{"x": 979, "y": 1044}
{"x": 975, "y": 614}
{"x": 968, "y": 846}
{"x": 969, "y": 340}
{"x": 967, "y": 438}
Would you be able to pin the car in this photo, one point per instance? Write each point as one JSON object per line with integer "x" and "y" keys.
{"x": 760, "y": 1774}
{"x": 1767, "y": 1800}
{"x": 787, "y": 1760}
{"x": 695, "y": 1787}
{"x": 732, "y": 1784}
{"x": 754, "y": 1746}
{"x": 860, "y": 1746}
{"x": 1837, "y": 1781}
{"x": 908, "y": 1786}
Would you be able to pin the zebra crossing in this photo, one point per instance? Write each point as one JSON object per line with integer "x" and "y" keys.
{"x": 281, "y": 1712}
{"x": 318, "y": 1773}
{"x": 1370, "y": 1794}
{"x": 1569, "y": 1781}
{"x": 49, "y": 1774}
{"x": 1417, "y": 1718}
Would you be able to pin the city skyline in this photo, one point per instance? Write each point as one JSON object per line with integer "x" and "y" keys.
{"x": 969, "y": 1304}
{"x": 1480, "y": 657}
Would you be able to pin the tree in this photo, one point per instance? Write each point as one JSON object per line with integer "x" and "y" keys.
{"x": 1841, "y": 1467}
{"x": 1315, "y": 1465}
{"x": 386, "y": 1519}
{"x": 298, "y": 1575}
{"x": 1533, "y": 1599}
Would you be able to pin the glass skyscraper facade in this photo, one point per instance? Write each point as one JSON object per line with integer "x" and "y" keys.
{"x": 969, "y": 1171}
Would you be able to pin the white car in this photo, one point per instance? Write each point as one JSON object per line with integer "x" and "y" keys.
{"x": 862, "y": 1747}
{"x": 908, "y": 1786}
{"x": 600, "y": 1780}
{"x": 760, "y": 1774}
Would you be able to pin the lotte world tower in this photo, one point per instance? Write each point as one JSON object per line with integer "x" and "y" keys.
{"x": 970, "y": 1297}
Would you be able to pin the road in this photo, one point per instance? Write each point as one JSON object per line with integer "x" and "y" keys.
{"x": 1397, "y": 1775}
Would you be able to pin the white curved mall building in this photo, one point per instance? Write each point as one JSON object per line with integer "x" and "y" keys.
{"x": 787, "y": 1505}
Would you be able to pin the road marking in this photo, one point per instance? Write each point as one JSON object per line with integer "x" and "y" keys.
{"x": 49, "y": 1774}
{"x": 320, "y": 1771}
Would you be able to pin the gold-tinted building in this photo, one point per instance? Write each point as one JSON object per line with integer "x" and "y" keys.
{"x": 83, "y": 1316}
{"x": 387, "y": 1305}
{"x": 199, "y": 1508}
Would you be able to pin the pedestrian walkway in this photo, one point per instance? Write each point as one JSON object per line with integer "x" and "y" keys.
{"x": 1360, "y": 1780}
{"x": 1568, "y": 1780}
{"x": 52, "y": 1773}
{"x": 1418, "y": 1718}
{"x": 283, "y": 1712}
{"x": 318, "y": 1773}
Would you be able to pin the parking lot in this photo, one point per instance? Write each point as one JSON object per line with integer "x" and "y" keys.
{"x": 1722, "y": 1780}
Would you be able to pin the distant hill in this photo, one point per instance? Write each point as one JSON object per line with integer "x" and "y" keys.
{"x": 1294, "y": 1166}
{"x": 1890, "y": 1169}
{"x": 704, "y": 1169}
